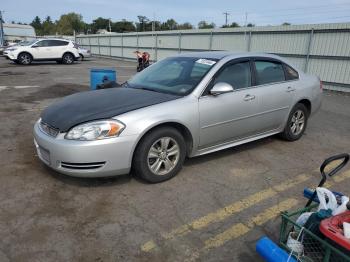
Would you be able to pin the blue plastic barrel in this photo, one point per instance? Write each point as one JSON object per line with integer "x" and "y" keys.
{"x": 98, "y": 76}
{"x": 270, "y": 252}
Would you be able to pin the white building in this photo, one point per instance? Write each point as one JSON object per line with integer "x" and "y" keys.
{"x": 17, "y": 32}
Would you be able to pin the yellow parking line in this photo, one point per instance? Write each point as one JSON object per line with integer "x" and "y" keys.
{"x": 236, "y": 207}
{"x": 227, "y": 211}
{"x": 241, "y": 229}
{"x": 148, "y": 246}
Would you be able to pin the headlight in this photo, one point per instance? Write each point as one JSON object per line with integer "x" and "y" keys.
{"x": 10, "y": 49}
{"x": 96, "y": 130}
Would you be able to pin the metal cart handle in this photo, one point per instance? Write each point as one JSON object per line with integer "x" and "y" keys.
{"x": 331, "y": 173}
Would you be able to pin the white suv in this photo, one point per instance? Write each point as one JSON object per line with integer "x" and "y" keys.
{"x": 59, "y": 50}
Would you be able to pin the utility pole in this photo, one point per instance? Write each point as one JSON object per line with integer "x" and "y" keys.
{"x": 226, "y": 15}
{"x": 109, "y": 25}
{"x": 2, "y": 40}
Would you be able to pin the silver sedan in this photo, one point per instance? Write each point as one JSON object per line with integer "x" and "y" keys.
{"x": 183, "y": 106}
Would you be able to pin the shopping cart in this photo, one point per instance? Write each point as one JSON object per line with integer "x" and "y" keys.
{"x": 299, "y": 243}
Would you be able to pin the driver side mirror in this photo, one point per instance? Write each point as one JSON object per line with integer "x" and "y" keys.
{"x": 221, "y": 88}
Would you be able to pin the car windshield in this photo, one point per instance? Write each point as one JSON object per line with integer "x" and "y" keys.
{"x": 176, "y": 75}
{"x": 27, "y": 43}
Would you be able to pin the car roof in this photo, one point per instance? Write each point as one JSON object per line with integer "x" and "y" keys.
{"x": 222, "y": 54}
{"x": 60, "y": 39}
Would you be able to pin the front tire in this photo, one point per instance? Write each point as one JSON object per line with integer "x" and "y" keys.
{"x": 68, "y": 59}
{"x": 296, "y": 124}
{"x": 25, "y": 59}
{"x": 159, "y": 155}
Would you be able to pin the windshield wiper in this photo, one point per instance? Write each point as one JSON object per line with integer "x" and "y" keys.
{"x": 148, "y": 89}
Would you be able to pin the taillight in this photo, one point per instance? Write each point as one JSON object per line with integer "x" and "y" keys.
{"x": 321, "y": 85}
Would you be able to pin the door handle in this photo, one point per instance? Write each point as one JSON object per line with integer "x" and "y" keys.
{"x": 249, "y": 97}
{"x": 290, "y": 89}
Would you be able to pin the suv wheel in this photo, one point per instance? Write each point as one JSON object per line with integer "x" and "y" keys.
{"x": 25, "y": 59}
{"x": 160, "y": 155}
{"x": 67, "y": 59}
{"x": 296, "y": 123}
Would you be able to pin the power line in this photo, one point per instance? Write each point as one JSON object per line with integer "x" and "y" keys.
{"x": 308, "y": 14}
{"x": 290, "y": 9}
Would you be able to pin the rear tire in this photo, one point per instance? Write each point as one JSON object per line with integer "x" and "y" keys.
{"x": 296, "y": 124}
{"x": 25, "y": 58}
{"x": 159, "y": 155}
{"x": 68, "y": 59}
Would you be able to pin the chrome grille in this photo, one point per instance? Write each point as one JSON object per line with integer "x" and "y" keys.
{"x": 49, "y": 130}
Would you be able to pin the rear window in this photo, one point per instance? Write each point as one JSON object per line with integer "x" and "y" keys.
{"x": 58, "y": 43}
{"x": 269, "y": 72}
{"x": 291, "y": 74}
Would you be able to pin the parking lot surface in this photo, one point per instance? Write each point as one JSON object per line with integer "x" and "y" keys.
{"x": 214, "y": 210}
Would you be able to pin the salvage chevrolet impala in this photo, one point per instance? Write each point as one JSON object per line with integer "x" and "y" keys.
{"x": 183, "y": 106}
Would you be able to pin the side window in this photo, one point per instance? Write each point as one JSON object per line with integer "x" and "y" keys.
{"x": 43, "y": 43}
{"x": 291, "y": 74}
{"x": 238, "y": 75}
{"x": 269, "y": 72}
{"x": 57, "y": 43}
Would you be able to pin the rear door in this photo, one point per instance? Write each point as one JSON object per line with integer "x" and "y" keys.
{"x": 58, "y": 47}
{"x": 275, "y": 94}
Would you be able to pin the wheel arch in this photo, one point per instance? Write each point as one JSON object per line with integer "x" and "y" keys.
{"x": 68, "y": 52}
{"x": 184, "y": 131}
{"x": 307, "y": 103}
{"x": 25, "y": 52}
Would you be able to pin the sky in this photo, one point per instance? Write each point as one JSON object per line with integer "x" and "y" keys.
{"x": 267, "y": 12}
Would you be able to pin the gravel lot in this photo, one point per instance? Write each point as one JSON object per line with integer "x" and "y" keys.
{"x": 206, "y": 213}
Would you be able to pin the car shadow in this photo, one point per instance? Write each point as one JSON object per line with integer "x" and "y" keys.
{"x": 88, "y": 181}
{"x": 41, "y": 63}
{"x": 229, "y": 151}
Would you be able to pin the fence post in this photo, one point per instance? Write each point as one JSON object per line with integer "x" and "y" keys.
{"x": 90, "y": 43}
{"x": 122, "y": 42}
{"x": 137, "y": 41}
{"x": 211, "y": 40}
{"x": 99, "y": 47}
{"x": 156, "y": 48}
{"x": 249, "y": 41}
{"x": 308, "y": 50}
{"x": 179, "y": 42}
{"x": 110, "y": 46}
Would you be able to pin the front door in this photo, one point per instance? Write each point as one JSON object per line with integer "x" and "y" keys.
{"x": 42, "y": 49}
{"x": 229, "y": 116}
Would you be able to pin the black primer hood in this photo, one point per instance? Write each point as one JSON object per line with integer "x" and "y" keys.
{"x": 100, "y": 104}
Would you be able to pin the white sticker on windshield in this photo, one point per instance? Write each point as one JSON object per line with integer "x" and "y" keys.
{"x": 206, "y": 61}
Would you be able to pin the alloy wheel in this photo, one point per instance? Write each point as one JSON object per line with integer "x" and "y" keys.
{"x": 297, "y": 122}
{"x": 163, "y": 156}
{"x": 68, "y": 59}
{"x": 25, "y": 59}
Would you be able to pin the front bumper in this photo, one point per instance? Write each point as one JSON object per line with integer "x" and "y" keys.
{"x": 107, "y": 157}
{"x": 9, "y": 55}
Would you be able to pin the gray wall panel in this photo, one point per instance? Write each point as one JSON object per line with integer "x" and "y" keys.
{"x": 326, "y": 55}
